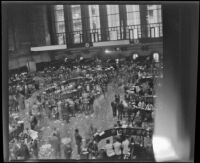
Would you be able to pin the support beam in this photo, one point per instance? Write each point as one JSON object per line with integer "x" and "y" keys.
{"x": 143, "y": 20}
{"x": 85, "y": 23}
{"x": 68, "y": 25}
{"x": 103, "y": 22}
{"x": 51, "y": 24}
{"x": 123, "y": 21}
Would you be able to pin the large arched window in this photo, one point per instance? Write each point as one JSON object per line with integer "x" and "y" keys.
{"x": 154, "y": 20}
{"x": 133, "y": 21}
{"x": 113, "y": 21}
{"x": 59, "y": 24}
{"x": 94, "y": 18}
{"x": 76, "y": 23}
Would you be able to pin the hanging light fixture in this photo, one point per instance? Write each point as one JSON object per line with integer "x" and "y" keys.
{"x": 135, "y": 56}
{"x": 156, "y": 57}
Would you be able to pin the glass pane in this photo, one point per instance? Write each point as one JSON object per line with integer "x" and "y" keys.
{"x": 76, "y": 16}
{"x": 59, "y": 15}
{"x": 112, "y": 9}
{"x": 113, "y": 35}
{"x": 132, "y": 8}
{"x": 94, "y": 16}
{"x": 156, "y": 32}
{"x": 154, "y": 13}
{"x": 61, "y": 39}
{"x": 152, "y": 32}
{"x": 77, "y": 38}
{"x": 60, "y": 27}
{"x": 93, "y": 10}
{"x": 135, "y": 34}
{"x": 113, "y": 20}
{"x": 133, "y": 18}
{"x": 153, "y": 17}
{"x": 77, "y": 26}
{"x": 58, "y": 7}
{"x": 76, "y": 11}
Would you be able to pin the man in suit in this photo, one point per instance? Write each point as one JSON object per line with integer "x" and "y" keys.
{"x": 78, "y": 139}
{"x": 120, "y": 110}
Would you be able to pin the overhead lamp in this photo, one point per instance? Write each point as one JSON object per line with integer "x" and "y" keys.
{"x": 135, "y": 56}
{"x": 156, "y": 57}
{"x": 118, "y": 49}
{"x": 107, "y": 51}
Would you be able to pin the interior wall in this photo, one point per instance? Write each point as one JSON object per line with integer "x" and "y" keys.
{"x": 17, "y": 62}
{"x": 28, "y": 27}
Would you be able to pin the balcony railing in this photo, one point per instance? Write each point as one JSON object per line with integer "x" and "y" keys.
{"x": 61, "y": 38}
{"x": 130, "y": 32}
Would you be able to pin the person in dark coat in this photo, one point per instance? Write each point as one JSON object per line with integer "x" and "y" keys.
{"x": 120, "y": 110}
{"x": 93, "y": 149}
{"x": 68, "y": 151}
{"x": 33, "y": 121}
{"x": 34, "y": 146}
{"x": 117, "y": 99}
{"x": 24, "y": 152}
{"x": 114, "y": 108}
{"x": 91, "y": 102}
{"x": 78, "y": 139}
{"x": 56, "y": 145}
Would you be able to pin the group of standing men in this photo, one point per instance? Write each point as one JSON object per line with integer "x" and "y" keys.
{"x": 117, "y": 107}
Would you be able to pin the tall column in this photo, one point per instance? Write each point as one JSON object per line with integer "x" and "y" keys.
{"x": 68, "y": 25}
{"x": 46, "y": 28}
{"x": 123, "y": 20}
{"x": 51, "y": 24}
{"x": 143, "y": 20}
{"x": 85, "y": 23}
{"x": 103, "y": 22}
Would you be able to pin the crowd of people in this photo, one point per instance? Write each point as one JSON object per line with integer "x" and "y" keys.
{"x": 67, "y": 90}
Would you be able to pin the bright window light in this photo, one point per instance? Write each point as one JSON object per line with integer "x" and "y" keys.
{"x": 163, "y": 149}
{"x": 107, "y": 51}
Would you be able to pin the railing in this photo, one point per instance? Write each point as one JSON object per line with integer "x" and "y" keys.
{"x": 61, "y": 38}
{"x": 130, "y": 32}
